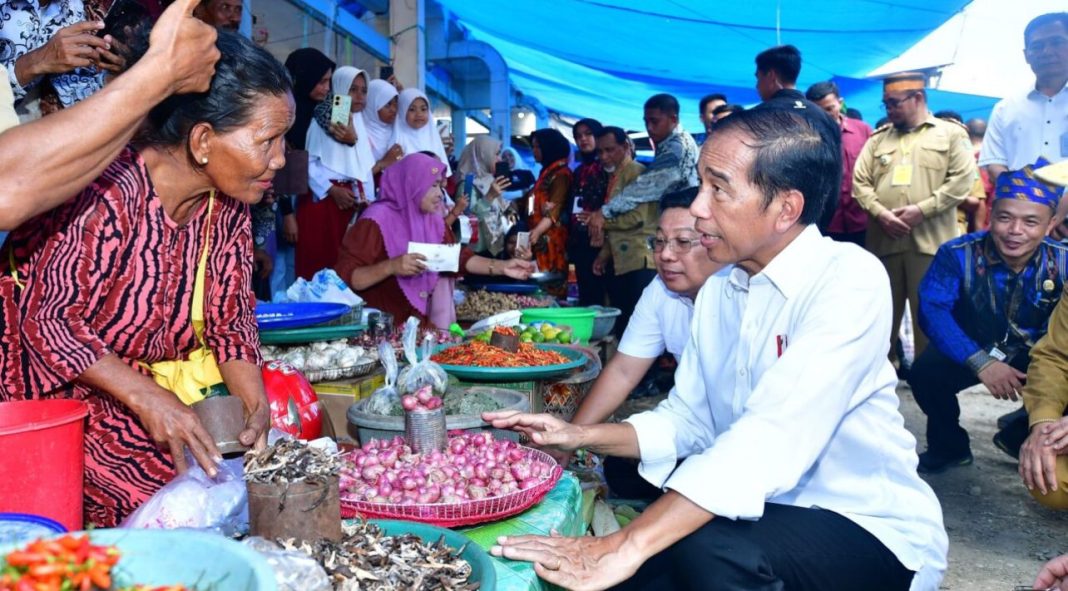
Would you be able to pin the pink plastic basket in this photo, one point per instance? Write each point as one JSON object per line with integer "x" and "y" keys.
{"x": 458, "y": 514}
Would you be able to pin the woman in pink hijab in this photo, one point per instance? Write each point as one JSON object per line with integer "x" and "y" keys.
{"x": 374, "y": 256}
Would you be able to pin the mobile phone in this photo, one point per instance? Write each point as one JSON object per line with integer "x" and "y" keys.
{"x": 469, "y": 185}
{"x": 339, "y": 112}
{"x": 502, "y": 169}
{"x": 444, "y": 127}
{"x": 522, "y": 241}
{"x": 385, "y": 72}
{"x": 121, "y": 14}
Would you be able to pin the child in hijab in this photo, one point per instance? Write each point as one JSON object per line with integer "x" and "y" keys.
{"x": 380, "y": 116}
{"x": 416, "y": 129}
{"x": 339, "y": 175}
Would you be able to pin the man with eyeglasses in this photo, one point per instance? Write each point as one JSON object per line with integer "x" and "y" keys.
{"x": 910, "y": 177}
{"x": 1034, "y": 124}
{"x": 660, "y": 323}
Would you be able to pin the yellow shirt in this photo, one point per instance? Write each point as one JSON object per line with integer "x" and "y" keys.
{"x": 942, "y": 174}
{"x": 626, "y": 234}
{"x": 8, "y": 118}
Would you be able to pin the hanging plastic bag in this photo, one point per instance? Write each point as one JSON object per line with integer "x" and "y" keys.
{"x": 421, "y": 370}
{"x": 386, "y": 397}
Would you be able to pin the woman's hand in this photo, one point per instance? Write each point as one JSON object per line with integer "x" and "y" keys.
{"x": 518, "y": 269}
{"x": 289, "y": 228}
{"x": 345, "y": 134}
{"x": 394, "y": 154}
{"x": 344, "y": 198}
{"x": 257, "y": 423}
{"x": 407, "y": 265}
{"x": 460, "y": 205}
{"x": 170, "y": 422}
{"x": 499, "y": 186}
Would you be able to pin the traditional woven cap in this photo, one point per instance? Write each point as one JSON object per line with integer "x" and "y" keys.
{"x": 1054, "y": 174}
{"x": 1022, "y": 184}
{"x": 905, "y": 81}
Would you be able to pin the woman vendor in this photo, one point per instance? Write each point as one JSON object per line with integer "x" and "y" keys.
{"x": 374, "y": 256}
{"x": 104, "y": 285}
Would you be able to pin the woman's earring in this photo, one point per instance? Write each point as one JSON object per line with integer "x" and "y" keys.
{"x": 204, "y": 160}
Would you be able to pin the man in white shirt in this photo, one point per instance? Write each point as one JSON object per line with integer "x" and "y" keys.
{"x": 1022, "y": 128}
{"x": 797, "y": 471}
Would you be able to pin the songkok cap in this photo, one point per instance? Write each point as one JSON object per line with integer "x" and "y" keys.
{"x": 1022, "y": 184}
{"x": 904, "y": 82}
{"x": 1054, "y": 174}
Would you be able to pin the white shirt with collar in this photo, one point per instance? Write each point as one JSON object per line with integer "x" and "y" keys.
{"x": 661, "y": 321}
{"x": 1027, "y": 126}
{"x": 785, "y": 395}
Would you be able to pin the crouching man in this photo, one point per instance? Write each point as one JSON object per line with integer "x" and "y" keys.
{"x": 796, "y": 469}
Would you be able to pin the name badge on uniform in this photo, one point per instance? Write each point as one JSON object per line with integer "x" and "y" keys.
{"x": 901, "y": 176}
{"x": 998, "y": 353}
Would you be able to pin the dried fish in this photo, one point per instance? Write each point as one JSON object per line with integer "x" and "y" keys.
{"x": 368, "y": 560}
{"x": 289, "y": 461}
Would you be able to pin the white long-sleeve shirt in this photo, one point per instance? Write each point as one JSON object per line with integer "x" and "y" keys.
{"x": 784, "y": 394}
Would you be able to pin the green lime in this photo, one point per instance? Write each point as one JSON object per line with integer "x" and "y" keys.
{"x": 526, "y": 338}
{"x": 563, "y": 338}
{"x": 539, "y": 338}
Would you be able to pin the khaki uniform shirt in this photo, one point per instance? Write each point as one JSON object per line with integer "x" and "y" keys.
{"x": 626, "y": 234}
{"x": 943, "y": 172}
{"x": 1045, "y": 394}
{"x": 8, "y": 118}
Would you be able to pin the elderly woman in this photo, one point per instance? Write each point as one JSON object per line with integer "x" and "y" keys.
{"x": 374, "y": 256}
{"x": 104, "y": 285}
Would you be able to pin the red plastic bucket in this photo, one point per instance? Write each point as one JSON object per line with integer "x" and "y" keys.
{"x": 42, "y": 462}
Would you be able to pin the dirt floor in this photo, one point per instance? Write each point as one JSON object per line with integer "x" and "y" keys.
{"x": 999, "y": 537}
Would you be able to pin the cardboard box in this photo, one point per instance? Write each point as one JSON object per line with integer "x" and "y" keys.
{"x": 336, "y": 398}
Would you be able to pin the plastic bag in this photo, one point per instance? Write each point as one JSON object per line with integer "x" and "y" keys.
{"x": 293, "y": 571}
{"x": 386, "y": 397}
{"x": 195, "y": 500}
{"x": 420, "y": 373}
{"x": 325, "y": 286}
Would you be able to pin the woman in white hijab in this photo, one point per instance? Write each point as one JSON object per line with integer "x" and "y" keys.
{"x": 380, "y": 116}
{"x": 416, "y": 128}
{"x": 479, "y": 160}
{"x": 340, "y": 166}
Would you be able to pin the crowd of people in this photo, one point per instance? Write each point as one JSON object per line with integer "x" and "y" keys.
{"x": 778, "y": 264}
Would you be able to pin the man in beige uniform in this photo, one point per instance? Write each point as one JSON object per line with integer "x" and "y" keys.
{"x": 910, "y": 177}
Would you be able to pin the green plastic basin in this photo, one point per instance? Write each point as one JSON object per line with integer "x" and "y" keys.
{"x": 579, "y": 319}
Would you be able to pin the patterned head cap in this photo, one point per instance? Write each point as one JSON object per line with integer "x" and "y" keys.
{"x": 1022, "y": 184}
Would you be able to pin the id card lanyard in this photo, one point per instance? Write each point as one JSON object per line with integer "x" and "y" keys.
{"x": 902, "y": 173}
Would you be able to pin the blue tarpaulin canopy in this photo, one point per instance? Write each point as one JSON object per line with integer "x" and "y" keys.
{"x": 595, "y": 58}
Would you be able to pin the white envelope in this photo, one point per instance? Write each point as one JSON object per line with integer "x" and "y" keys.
{"x": 440, "y": 258}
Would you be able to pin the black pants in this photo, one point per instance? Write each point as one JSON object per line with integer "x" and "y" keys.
{"x": 592, "y": 289}
{"x": 788, "y": 548}
{"x": 624, "y": 291}
{"x": 935, "y": 381}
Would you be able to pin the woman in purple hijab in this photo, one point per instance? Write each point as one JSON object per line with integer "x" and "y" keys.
{"x": 374, "y": 256}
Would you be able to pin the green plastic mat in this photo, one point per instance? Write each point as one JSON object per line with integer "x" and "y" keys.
{"x": 310, "y": 334}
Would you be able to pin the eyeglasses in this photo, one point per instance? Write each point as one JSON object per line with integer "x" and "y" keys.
{"x": 1053, "y": 43}
{"x": 892, "y": 103}
{"x": 677, "y": 245}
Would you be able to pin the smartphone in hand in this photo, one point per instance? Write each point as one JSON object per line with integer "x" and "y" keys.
{"x": 122, "y": 14}
{"x": 339, "y": 112}
{"x": 522, "y": 241}
{"x": 385, "y": 72}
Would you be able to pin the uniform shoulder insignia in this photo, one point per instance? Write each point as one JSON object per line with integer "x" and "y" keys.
{"x": 881, "y": 129}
